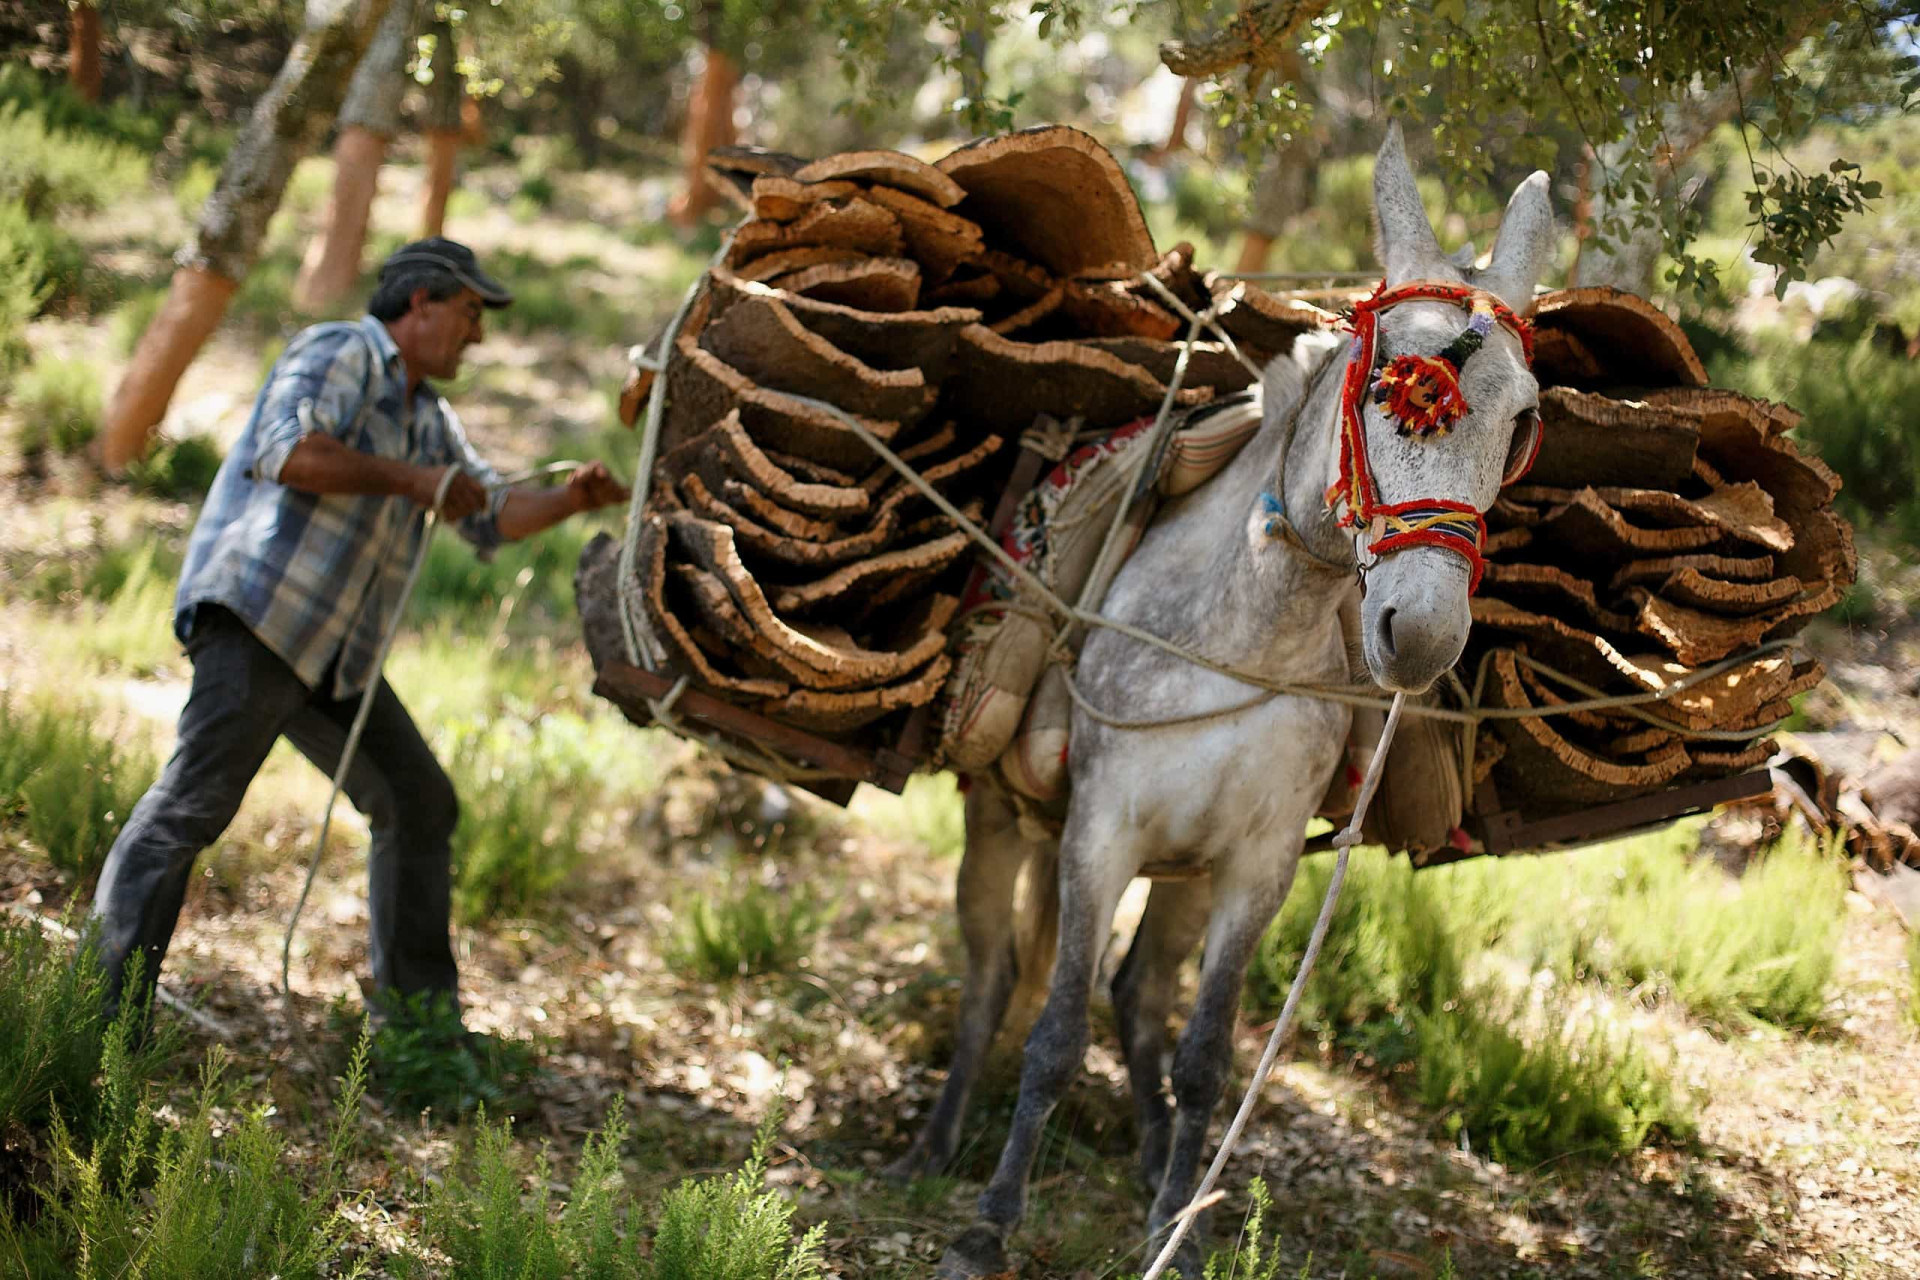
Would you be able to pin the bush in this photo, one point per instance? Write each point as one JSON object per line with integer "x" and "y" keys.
{"x": 53, "y": 171}
{"x": 177, "y": 468}
{"x": 133, "y": 630}
{"x": 59, "y": 403}
{"x": 1393, "y": 986}
{"x": 519, "y": 836}
{"x": 49, "y": 260}
{"x": 498, "y": 1218}
{"x": 53, "y": 1039}
{"x": 755, "y": 929}
{"x": 200, "y": 1197}
{"x": 131, "y": 318}
{"x": 1862, "y": 407}
{"x": 73, "y": 789}
{"x": 424, "y": 1059}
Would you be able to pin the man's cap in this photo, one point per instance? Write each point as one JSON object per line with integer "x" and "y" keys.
{"x": 454, "y": 258}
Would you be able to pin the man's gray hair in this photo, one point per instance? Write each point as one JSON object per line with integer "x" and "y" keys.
{"x": 393, "y": 296}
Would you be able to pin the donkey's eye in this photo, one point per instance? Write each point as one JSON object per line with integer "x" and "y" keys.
{"x": 1522, "y": 443}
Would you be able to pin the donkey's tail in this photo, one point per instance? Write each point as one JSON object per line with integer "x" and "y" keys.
{"x": 1036, "y": 932}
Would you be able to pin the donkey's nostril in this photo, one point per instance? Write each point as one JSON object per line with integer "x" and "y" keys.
{"x": 1386, "y": 632}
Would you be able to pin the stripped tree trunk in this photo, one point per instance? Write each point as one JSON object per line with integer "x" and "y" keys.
{"x": 83, "y": 52}
{"x": 287, "y": 122}
{"x": 443, "y": 129}
{"x": 709, "y": 125}
{"x": 369, "y": 118}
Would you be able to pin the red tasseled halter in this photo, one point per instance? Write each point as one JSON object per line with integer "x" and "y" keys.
{"x": 1423, "y": 393}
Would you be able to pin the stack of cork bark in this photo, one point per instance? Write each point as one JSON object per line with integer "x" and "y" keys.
{"x": 782, "y": 564}
{"x": 1667, "y": 527}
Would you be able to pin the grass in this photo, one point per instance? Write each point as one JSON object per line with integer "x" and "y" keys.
{"x": 204, "y": 1194}
{"x": 1398, "y": 988}
{"x": 424, "y": 1059}
{"x": 930, "y": 813}
{"x": 518, "y": 842}
{"x": 68, "y": 788}
{"x": 132, "y": 629}
{"x": 53, "y": 1039}
{"x": 755, "y": 929}
{"x": 53, "y": 171}
{"x": 1862, "y": 407}
{"x": 177, "y": 468}
{"x": 483, "y": 1221}
{"x": 59, "y": 404}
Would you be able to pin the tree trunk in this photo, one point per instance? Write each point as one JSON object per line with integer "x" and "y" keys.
{"x": 445, "y": 98}
{"x": 709, "y": 125}
{"x": 369, "y": 118}
{"x": 1629, "y": 264}
{"x": 83, "y": 52}
{"x": 1182, "y": 117}
{"x": 286, "y": 123}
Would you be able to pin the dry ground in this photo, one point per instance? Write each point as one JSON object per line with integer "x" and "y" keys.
{"x": 1807, "y": 1164}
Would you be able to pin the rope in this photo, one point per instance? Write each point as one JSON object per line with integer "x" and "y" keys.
{"x": 1080, "y": 615}
{"x": 1343, "y": 844}
{"x": 347, "y": 753}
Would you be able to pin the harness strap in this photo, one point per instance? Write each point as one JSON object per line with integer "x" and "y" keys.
{"x": 1423, "y": 393}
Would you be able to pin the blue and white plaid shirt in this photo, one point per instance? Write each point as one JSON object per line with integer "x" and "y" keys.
{"x": 317, "y": 577}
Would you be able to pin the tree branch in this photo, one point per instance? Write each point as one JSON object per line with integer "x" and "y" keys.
{"x": 1253, "y": 38}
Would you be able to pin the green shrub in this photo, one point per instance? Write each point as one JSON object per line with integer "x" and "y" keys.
{"x": 424, "y": 1059}
{"x": 754, "y": 929}
{"x": 533, "y": 573}
{"x": 518, "y": 841}
{"x": 73, "y": 789}
{"x": 1393, "y": 985}
{"x": 53, "y": 1039}
{"x": 497, "y": 1217}
{"x": 53, "y": 171}
{"x": 131, "y": 318}
{"x": 1641, "y": 916}
{"x": 59, "y": 404}
{"x": 201, "y": 1197}
{"x": 930, "y": 813}
{"x": 1862, "y": 407}
{"x": 1562, "y": 1090}
{"x": 732, "y": 1228}
{"x": 133, "y": 630}
{"x": 162, "y": 119}
{"x": 183, "y": 467}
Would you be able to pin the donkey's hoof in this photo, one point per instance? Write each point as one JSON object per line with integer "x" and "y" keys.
{"x": 920, "y": 1161}
{"x": 976, "y": 1255}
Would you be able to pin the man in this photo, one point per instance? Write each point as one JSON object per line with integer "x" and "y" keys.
{"x": 293, "y": 574}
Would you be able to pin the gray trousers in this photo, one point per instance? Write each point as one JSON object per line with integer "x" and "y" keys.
{"x": 244, "y": 698}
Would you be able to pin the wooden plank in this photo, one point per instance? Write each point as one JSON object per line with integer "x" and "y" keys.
{"x": 1508, "y": 832}
{"x": 631, "y": 687}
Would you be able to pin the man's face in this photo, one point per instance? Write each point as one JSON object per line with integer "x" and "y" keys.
{"x": 446, "y": 329}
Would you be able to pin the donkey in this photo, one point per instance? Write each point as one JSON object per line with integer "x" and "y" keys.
{"x": 1361, "y": 491}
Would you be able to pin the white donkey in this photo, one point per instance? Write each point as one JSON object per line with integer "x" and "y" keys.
{"x": 1252, "y": 570}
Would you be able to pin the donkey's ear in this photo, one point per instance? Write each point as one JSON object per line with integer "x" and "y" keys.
{"x": 1524, "y": 246}
{"x": 1407, "y": 246}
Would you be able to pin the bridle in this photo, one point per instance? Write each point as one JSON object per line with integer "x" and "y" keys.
{"x": 1422, "y": 395}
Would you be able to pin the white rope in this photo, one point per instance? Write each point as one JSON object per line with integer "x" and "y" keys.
{"x": 1343, "y": 845}
{"x": 352, "y": 747}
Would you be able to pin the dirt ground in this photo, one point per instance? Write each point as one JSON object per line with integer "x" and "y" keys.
{"x": 1807, "y": 1161}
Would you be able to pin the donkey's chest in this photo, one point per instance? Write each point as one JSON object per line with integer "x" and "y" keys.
{"x": 1252, "y": 777}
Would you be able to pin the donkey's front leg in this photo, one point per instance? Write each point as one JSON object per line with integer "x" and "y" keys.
{"x": 1143, "y": 994}
{"x": 1094, "y": 870}
{"x": 1247, "y": 892}
{"x": 988, "y": 871}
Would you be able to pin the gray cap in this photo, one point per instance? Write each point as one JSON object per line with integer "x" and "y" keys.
{"x": 454, "y": 258}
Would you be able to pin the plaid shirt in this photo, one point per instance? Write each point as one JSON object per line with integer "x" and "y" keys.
{"x": 317, "y": 577}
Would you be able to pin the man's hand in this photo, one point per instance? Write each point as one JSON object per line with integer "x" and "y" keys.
{"x": 465, "y": 495}
{"x": 592, "y": 487}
